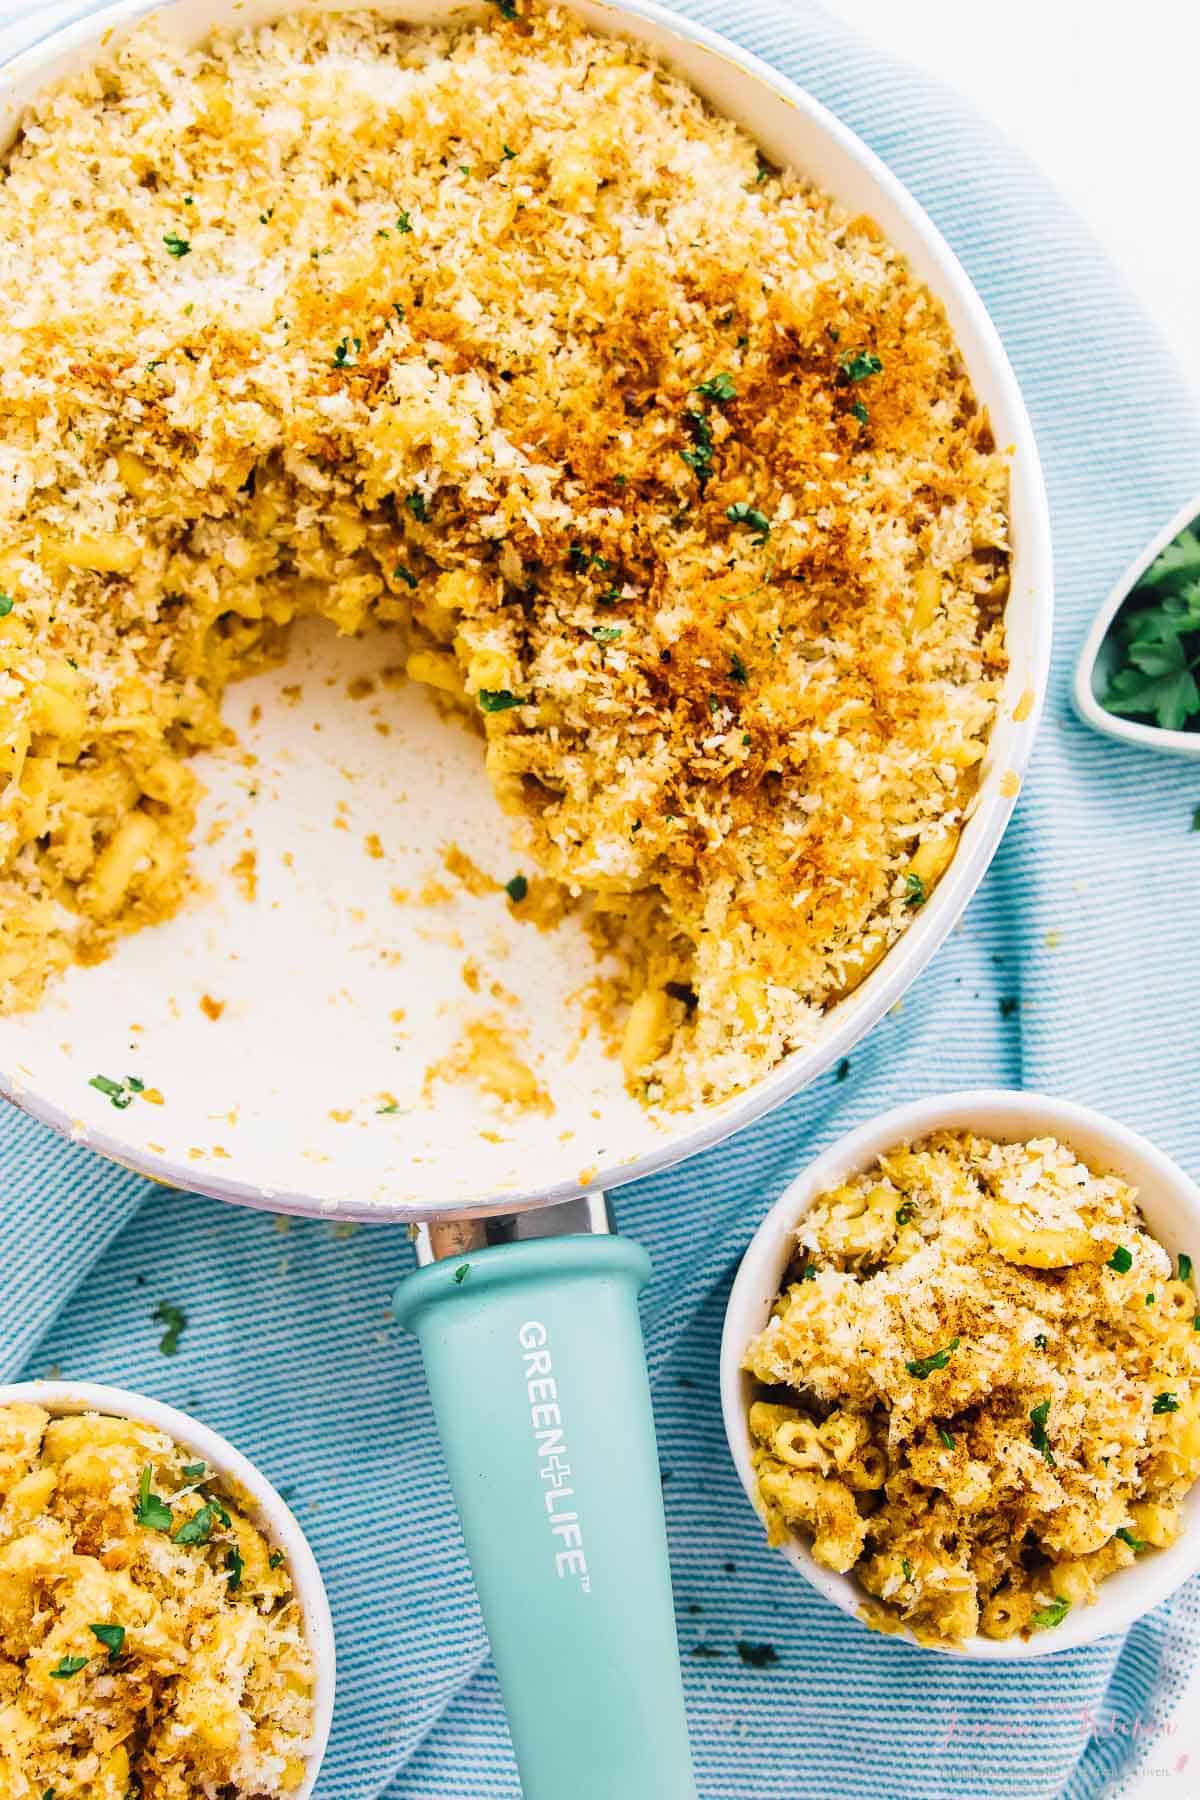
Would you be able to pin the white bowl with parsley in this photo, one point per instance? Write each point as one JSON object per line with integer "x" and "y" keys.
{"x": 901, "y": 1374}
{"x": 1138, "y": 674}
{"x": 183, "y": 1639}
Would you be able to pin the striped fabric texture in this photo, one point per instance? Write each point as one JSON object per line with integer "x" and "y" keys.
{"x": 1075, "y": 971}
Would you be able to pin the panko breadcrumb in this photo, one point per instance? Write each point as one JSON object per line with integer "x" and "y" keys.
{"x": 150, "y": 1639}
{"x": 982, "y": 1386}
{"x": 652, "y": 460}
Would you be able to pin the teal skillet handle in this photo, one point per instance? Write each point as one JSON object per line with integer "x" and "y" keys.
{"x": 535, "y": 1362}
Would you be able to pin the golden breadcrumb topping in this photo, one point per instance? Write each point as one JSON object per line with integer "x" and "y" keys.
{"x": 982, "y": 1386}
{"x": 150, "y": 1640}
{"x": 663, "y": 469}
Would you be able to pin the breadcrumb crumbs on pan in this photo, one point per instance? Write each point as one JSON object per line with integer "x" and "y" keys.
{"x": 966, "y": 1401}
{"x": 654, "y": 465}
{"x": 150, "y": 1638}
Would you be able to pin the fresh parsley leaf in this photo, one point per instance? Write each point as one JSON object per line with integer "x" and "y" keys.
{"x": 1121, "y": 1260}
{"x": 150, "y": 1510}
{"x": 947, "y": 1437}
{"x": 111, "y": 1636}
{"x": 175, "y": 1320}
{"x": 235, "y": 1566}
{"x": 6, "y": 605}
{"x": 507, "y": 155}
{"x": 461, "y": 1273}
{"x": 115, "y": 1091}
{"x": 719, "y": 388}
{"x": 198, "y": 1529}
{"x": 508, "y": 8}
{"x": 1149, "y": 1301}
{"x": 405, "y": 575}
{"x": 607, "y": 634}
{"x": 905, "y": 1213}
{"x": 857, "y": 365}
{"x": 699, "y": 458}
{"x": 737, "y": 670}
{"x": 178, "y": 246}
{"x": 1038, "y": 1418}
{"x": 347, "y": 352}
{"x": 496, "y": 700}
{"x": 808, "y": 1272}
{"x": 194, "y": 1471}
{"x": 68, "y": 1666}
{"x": 404, "y": 224}
{"x": 915, "y": 893}
{"x": 1157, "y": 638}
{"x": 1136, "y": 1544}
{"x": 1046, "y": 1617}
{"x": 757, "y": 1656}
{"x": 1165, "y": 1402}
{"x": 1185, "y": 1266}
{"x": 275, "y": 1559}
{"x": 135, "y": 1084}
{"x": 417, "y": 505}
{"x": 741, "y": 513}
{"x": 516, "y": 889}
{"x": 922, "y": 1367}
{"x": 907, "y": 1568}
{"x": 390, "y": 1106}
{"x": 1039, "y": 1342}
{"x": 859, "y": 411}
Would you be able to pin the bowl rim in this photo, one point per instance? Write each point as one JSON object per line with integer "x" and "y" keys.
{"x": 1008, "y": 1113}
{"x": 62, "y": 1398}
{"x": 851, "y": 1019}
{"x": 1083, "y": 693}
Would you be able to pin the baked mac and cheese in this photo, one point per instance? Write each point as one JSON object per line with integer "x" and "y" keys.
{"x": 662, "y": 468}
{"x": 150, "y": 1639}
{"x": 982, "y": 1386}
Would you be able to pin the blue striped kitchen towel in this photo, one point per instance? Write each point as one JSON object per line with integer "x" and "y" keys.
{"x": 1076, "y": 971}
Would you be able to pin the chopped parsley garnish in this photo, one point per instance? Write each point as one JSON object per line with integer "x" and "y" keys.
{"x": 461, "y": 1273}
{"x": 757, "y": 1656}
{"x": 495, "y": 700}
{"x": 516, "y": 889}
{"x": 194, "y": 1471}
{"x": 235, "y": 1565}
{"x": 923, "y": 1366}
{"x": 1039, "y": 1342}
{"x": 857, "y": 365}
{"x": 842, "y": 1070}
{"x": 742, "y": 513}
{"x": 6, "y": 605}
{"x": 1048, "y": 1616}
{"x": 507, "y": 155}
{"x": 1136, "y": 1544}
{"x": 947, "y": 1437}
{"x": 1037, "y": 1436}
{"x": 68, "y": 1666}
{"x": 1149, "y": 1299}
{"x": 809, "y": 1272}
{"x": 859, "y": 412}
{"x": 111, "y": 1636}
{"x": 508, "y": 8}
{"x": 706, "y": 1652}
{"x": 1157, "y": 636}
{"x": 178, "y": 246}
{"x": 907, "y": 1568}
{"x": 607, "y": 634}
{"x": 151, "y": 1511}
{"x": 275, "y": 1559}
{"x": 264, "y": 218}
{"x": 405, "y": 575}
{"x": 417, "y": 505}
{"x": 737, "y": 670}
{"x": 116, "y": 1091}
{"x": 390, "y": 1106}
{"x": 175, "y": 1320}
{"x": 1185, "y": 1266}
{"x": 346, "y": 354}
{"x": 905, "y": 1213}
{"x": 1121, "y": 1260}
{"x": 699, "y": 457}
{"x": 198, "y": 1529}
{"x": 915, "y": 893}
{"x": 404, "y": 224}
{"x": 719, "y": 388}
{"x": 1165, "y": 1402}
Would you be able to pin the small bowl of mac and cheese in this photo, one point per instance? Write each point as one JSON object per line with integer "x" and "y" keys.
{"x": 162, "y": 1620}
{"x": 961, "y": 1374}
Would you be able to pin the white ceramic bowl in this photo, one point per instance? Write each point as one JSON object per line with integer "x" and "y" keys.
{"x": 270, "y": 1512}
{"x": 1094, "y": 666}
{"x": 313, "y": 972}
{"x": 1170, "y": 1203}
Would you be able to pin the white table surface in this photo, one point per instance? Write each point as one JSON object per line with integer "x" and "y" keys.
{"x": 1104, "y": 97}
